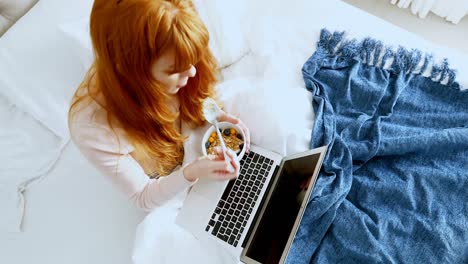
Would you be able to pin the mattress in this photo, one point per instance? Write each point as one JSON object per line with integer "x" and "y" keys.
{"x": 74, "y": 210}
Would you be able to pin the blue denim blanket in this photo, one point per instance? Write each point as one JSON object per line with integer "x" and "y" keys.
{"x": 394, "y": 184}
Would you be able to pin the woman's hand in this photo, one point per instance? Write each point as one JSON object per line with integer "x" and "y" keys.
{"x": 213, "y": 167}
{"x": 232, "y": 119}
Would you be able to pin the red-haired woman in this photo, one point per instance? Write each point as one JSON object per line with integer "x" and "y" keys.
{"x": 152, "y": 70}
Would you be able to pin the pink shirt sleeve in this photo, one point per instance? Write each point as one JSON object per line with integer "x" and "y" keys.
{"x": 100, "y": 146}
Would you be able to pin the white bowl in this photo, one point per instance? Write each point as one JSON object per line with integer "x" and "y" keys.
{"x": 222, "y": 126}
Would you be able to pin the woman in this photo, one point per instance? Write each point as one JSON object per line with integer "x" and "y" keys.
{"x": 152, "y": 70}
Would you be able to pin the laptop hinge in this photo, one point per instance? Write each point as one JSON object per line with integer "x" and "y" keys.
{"x": 262, "y": 203}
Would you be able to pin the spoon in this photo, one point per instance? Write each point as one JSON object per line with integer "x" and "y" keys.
{"x": 211, "y": 112}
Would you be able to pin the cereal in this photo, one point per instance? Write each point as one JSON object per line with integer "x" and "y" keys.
{"x": 232, "y": 139}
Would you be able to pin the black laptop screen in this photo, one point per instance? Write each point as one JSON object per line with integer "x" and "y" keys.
{"x": 277, "y": 222}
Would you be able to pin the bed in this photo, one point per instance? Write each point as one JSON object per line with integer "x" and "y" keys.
{"x": 65, "y": 210}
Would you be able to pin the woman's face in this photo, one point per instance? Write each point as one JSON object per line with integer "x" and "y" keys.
{"x": 163, "y": 71}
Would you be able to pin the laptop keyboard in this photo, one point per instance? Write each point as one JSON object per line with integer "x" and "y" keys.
{"x": 239, "y": 198}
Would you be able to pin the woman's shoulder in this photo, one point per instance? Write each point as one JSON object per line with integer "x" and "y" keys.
{"x": 89, "y": 128}
{"x": 89, "y": 113}
{"x": 88, "y": 104}
{"x": 89, "y": 123}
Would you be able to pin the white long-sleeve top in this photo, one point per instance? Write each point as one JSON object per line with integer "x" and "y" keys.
{"x": 95, "y": 139}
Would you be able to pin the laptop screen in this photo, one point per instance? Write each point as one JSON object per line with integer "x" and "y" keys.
{"x": 282, "y": 209}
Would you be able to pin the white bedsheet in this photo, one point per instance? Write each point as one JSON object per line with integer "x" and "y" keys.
{"x": 28, "y": 152}
{"x": 279, "y": 47}
{"x": 37, "y": 77}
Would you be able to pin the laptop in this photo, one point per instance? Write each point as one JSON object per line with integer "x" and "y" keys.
{"x": 255, "y": 216}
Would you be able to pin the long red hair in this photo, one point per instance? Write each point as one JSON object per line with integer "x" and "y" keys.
{"x": 128, "y": 36}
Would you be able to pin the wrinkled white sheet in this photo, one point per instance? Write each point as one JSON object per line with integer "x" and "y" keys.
{"x": 281, "y": 38}
{"x": 27, "y": 152}
{"x": 159, "y": 240}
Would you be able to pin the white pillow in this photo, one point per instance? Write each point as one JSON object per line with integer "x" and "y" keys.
{"x": 222, "y": 19}
{"x": 38, "y": 73}
{"x": 78, "y": 35}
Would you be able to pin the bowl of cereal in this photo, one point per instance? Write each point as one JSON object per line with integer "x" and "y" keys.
{"x": 233, "y": 137}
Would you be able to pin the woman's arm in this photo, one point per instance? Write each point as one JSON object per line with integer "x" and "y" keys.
{"x": 99, "y": 145}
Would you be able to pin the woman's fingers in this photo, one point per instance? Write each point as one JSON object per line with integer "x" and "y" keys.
{"x": 228, "y": 118}
{"x": 219, "y": 159}
{"x": 208, "y": 157}
{"x": 234, "y": 161}
{"x": 247, "y": 135}
{"x": 219, "y": 153}
{"x": 218, "y": 165}
{"x": 222, "y": 168}
{"x": 224, "y": 175}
